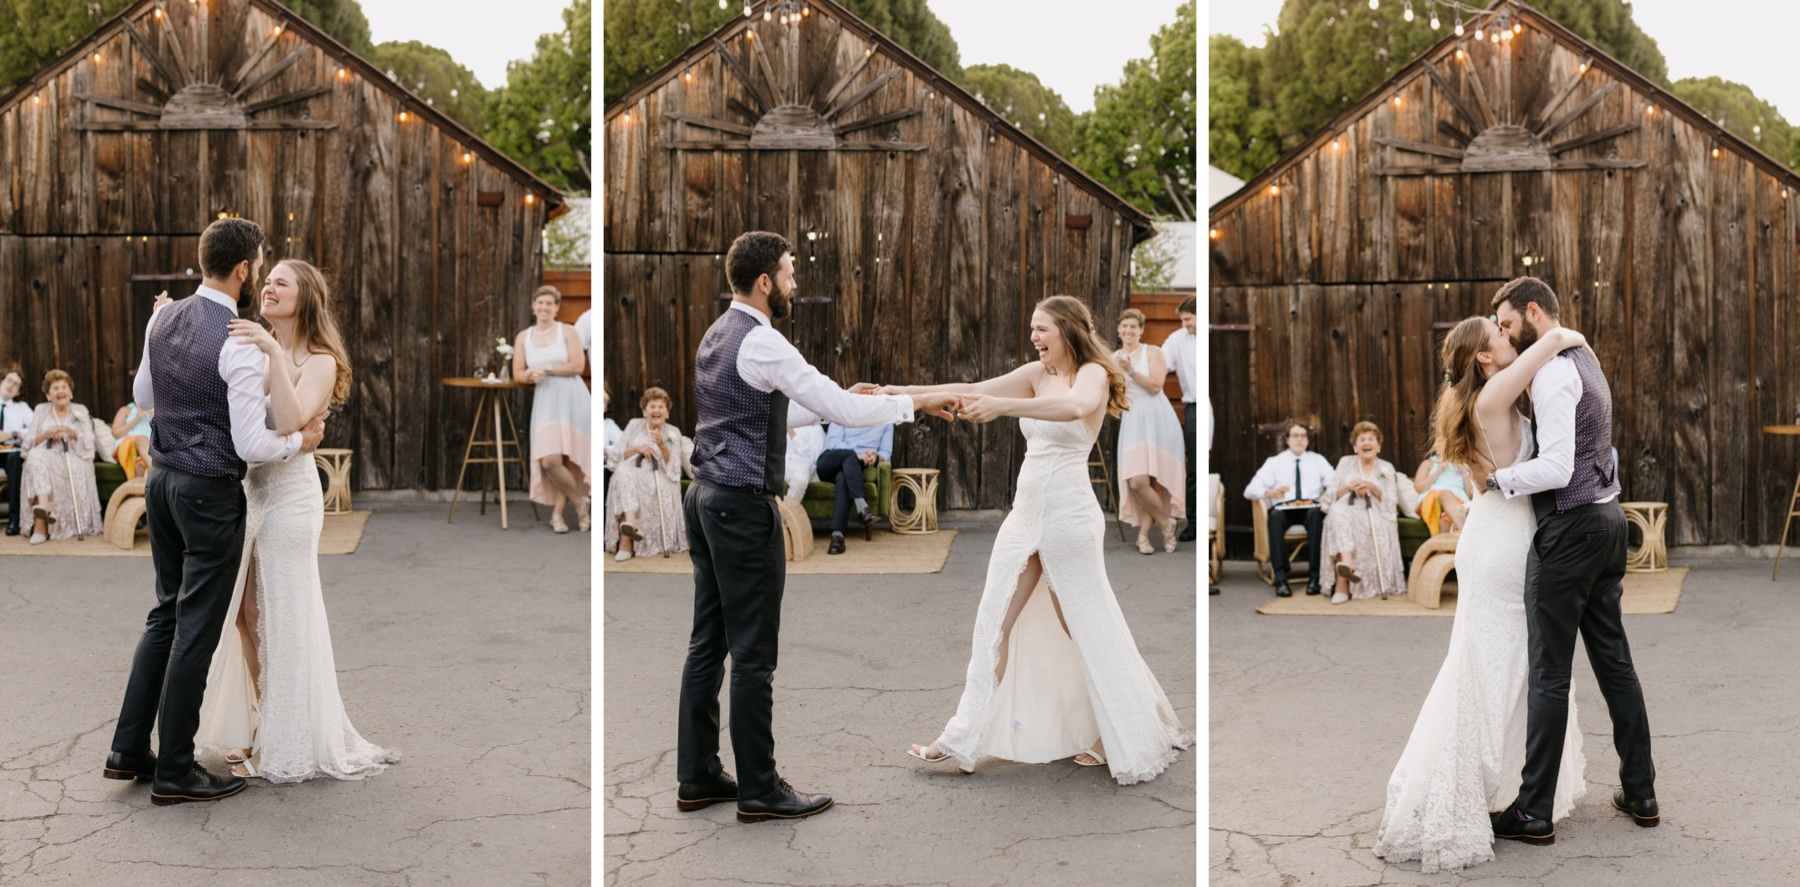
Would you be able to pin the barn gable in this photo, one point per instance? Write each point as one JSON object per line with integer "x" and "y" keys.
{"x": 1670, "y": 241}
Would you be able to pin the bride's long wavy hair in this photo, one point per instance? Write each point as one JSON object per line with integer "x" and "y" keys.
{"x": 1453, "y": 425}
{"x": 315, "y": 324}
{"x": 1076, "y": 324}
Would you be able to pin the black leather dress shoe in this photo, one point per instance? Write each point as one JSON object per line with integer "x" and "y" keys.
{"x": 1514, "y": 825}
{"x": 123, "y": 766}
{"x": 12, "y": 530}
{"x": 1212, "y": 589}
{"x": 198, "y": 785}
{"x": 868, "y": 520}
{"x": 1312, "y": 588}
{"x": 1282, "y": 589}
{"x": 693, "y": 796}
{"x": 1642, "y": 812}
{"x": 837, "y": 544}
{"x": 782, "y": 803}
{"x": 1187, "y": 535}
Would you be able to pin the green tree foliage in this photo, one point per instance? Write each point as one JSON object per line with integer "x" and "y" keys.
{"x": 1240, "y": 135}
{"x": 1734, "y": 107}
{"x": 342, "y": 19}
{"x": 1139, "y": 140}
{"x": 1326, "y": 54}
{"x": 32, "y": 32}
{"x": 1020, "y": 97}
{"x": 543, "y": 116}
{"x": 643, "y": 35}
{"x": 434, "y": 76}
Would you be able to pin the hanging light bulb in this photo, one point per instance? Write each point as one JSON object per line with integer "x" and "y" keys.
{"x": 1374, "y": 4}
{"x": 746, "y": 10}
{"x": 1459, "y": 55}
{"x": 766, "y": 15}
{"x": 1435, "y": 24}
{"x": 1213, "y": 233}
{"x": 1459, "y": 25}
{"x": 721, "y": 4}
{"x": 1406, "y": 11}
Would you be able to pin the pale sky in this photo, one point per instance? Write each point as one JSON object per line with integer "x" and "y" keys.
{"x": 1070, "y": 48}
{"x": 1743, "y": 41}
{"x": 481, "y": 36}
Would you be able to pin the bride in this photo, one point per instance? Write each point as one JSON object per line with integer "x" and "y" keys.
{"x": 272, "y": 701}
{"x": 1467, "y": 748}
{"x": 1054, "y": 671}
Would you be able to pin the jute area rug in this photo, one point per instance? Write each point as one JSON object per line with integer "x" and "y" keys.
{"x": 342, "y": 534}
{"x": 1645, "y": 594}
{"x": 889, "y": 553}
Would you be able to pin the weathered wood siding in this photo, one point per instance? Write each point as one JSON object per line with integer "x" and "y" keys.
{"x": 1332, "y": 296}
{"x": 914, "y": 266}
{"x": 424, "y": 279}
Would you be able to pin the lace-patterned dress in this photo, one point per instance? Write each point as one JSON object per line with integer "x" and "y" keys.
{"x": 1467, "y": 749}
{"x": 295, "y": 719}
{"x": 1060, "y": 691}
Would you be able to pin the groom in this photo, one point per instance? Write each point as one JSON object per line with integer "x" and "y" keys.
{"x": 751, "y": 386}
{"x": 1573, "y": 572}
{"x": 207, "y": 390}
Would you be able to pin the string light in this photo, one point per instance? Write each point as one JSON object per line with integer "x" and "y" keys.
{"x": 1396, "y": 100}
{"x": 343, "y": 73}
{"x": 1374, "y": 4}
{"x": 1459, "y": 54}
{"x": 1406, "y": 11}
{"x": 1276, "y": 189}
{"x": 97, "y": 58}
{"x": 1213, "y": 233}
{"x": 530, "y": 199}
{"x": 1459, "y": 24}
{"x": 468, "y": 157}
{"x": 1435, "y": 24}
{"x": 159, "y": 13}
{"x": 1584, "y": 64}
{"x": 627, "y": 116}
{"x": 1478, "y": 32}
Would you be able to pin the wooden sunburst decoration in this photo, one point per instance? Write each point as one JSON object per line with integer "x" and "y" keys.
{"x": 1502, "y": 142}
{"x": 190, "y": 99}
{"x": 782, "y": 120}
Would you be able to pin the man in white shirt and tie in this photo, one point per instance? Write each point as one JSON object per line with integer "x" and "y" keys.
{"x": 1294, "y": 474}
{"x": 1183, "y": 356}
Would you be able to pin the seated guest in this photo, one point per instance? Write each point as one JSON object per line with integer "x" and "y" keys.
{"x": 1441, "y": 485}
{"x": 803, "y": 448}
{"x": 643, "y": 505}
{"x": 1293, "y": 475}
{"x": 15, "y": 420}
{"x": 1362, "y": 521}
{"x": 132, "y": 429}
{"x": 847, "y": 452}
{"x": 610, "y": 436}
{"x": 59, "y": 467}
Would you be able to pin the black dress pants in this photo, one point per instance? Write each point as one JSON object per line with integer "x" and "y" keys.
{"x": 1190, "y": 436}
{"x": 196, "y": 541}
{"x": 1572, "y": 578}
{"x": 734, "y": 539}
{"x": 843, "y": 469}
{"x": 1279, "y": 521}
{"x": 14, "y": 462}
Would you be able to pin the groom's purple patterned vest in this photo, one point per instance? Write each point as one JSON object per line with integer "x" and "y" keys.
{"x": 1595, "y": 473}
{"x": 192, "y": 430}
{"x": 740, "y": 437}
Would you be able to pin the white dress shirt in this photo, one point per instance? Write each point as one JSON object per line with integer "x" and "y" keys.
{"x": 1555, "y": 391}
{"x": 1278, "y": 471}
{"x": 1178, "y": 348}
{"x": 767, "y": 362}
{"x": 244, "y": 368}
{"x": 584, "y": 327}
{"x": 15, "y": 416}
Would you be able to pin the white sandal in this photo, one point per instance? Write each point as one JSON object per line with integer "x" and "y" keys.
{"x": 1095, "y": 758}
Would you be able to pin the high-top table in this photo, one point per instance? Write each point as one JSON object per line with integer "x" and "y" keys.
{"x": 492, "y": 403}
{"x": 1793, "y": 501}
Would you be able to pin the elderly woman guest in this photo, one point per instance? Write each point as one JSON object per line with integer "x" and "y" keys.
{"x": 1443, "y": 493}
{"x": 131, "y": 426}
{"x": 59, "y": 468}
{"x": 15, "y": 420}
{"x": 643, "y": 505}
{"x": 1362, "y": 521}
{"x": 548, "y": 354}
{"x": 1152, "y": 455}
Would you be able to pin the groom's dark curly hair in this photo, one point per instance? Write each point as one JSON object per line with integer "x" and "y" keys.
{"x": 227, "y": 242}
{"x": 753, "y": 254}
{"x": 1522, "y": 291}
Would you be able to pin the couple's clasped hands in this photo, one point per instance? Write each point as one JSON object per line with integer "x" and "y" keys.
{"x": 943, "y": 404}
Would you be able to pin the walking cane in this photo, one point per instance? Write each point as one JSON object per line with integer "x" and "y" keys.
{"x": 661, "y": 521}
{"x": 1375, "y": 549}
{"x": 74, "y": 499}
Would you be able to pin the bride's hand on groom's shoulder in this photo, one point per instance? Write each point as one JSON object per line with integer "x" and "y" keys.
{"x": 162, "y": 299}
{"x": 253, "y": 332}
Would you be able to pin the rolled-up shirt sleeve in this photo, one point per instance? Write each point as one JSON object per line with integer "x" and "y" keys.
{"x": 243, "y": 368}
{"x": 1554, "y": 393}
{"x": 141, "y": 390}
{"x": 767, "y": 361}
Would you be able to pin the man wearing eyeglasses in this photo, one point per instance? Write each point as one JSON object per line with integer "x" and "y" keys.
{"x": 1291, "y": 483}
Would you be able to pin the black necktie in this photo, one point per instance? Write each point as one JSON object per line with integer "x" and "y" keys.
{"x": 1296, "y": 494}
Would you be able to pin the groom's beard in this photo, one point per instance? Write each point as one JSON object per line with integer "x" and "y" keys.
{"x": 246, "y": 297}
{"x": 1528, "y": 336}
{"x": 780, "y": 306}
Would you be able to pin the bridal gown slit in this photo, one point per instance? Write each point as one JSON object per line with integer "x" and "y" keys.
{"x": 1466, "y": 753}
{"x": 292, "y": 714}
{"x": 1059, "y": 691}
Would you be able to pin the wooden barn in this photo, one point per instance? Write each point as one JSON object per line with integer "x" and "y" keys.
{"x": 926, "y": 224}
{"x": 1670, "y": 241}
{"x": 117, "y": 155}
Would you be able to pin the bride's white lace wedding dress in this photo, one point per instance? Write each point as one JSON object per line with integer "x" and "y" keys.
{"x": 1060, "y": 692}
{"x": 1467, "y": 749}
{"x": 296, "y": 724}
